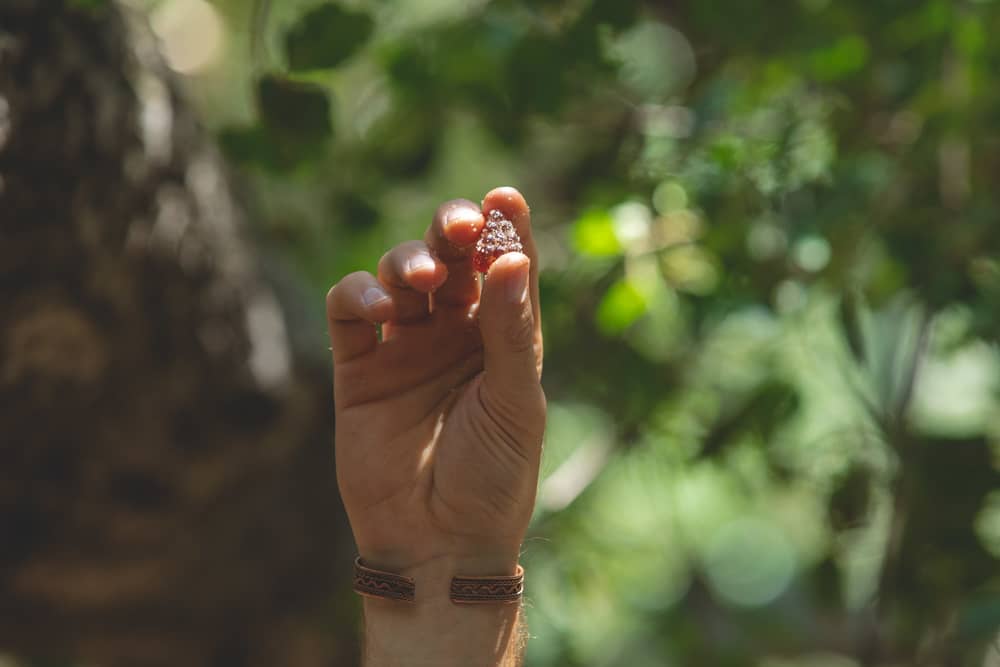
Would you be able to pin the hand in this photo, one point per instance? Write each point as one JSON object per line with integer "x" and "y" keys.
{"x": 439, "y": 424}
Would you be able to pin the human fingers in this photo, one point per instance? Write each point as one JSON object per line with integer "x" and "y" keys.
{"x": 409, "y": 272}
{"x": 451, "y": 237}
{"x": 353, "y": 307}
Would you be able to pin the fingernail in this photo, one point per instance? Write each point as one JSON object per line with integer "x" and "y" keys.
{"x": 419, "y": 263}
{"x": 373, "y": 295}
{"x": 517, "y": 284}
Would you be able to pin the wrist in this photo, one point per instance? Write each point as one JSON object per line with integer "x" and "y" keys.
{"x": 434, "y": 630}
{"x": 439, "y": 633}
{"x": 499, "y": 558}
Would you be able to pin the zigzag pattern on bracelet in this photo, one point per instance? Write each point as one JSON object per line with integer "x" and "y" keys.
{"x": 378, "y": 584}
{"x": 488, "y": 589}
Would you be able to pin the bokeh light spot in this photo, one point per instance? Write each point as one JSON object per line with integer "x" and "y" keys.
{"x": 632, "y": 222}
{"x": 621, "y": 306}
{"x": 192, "y": 34}
{"x": 691, "y": 269}
{"x": 669, "y": 197}
{"x": 749, "y": 562}
{"x": 789, "y": 296}
{"x": 765, "y": 241}
{"x": 812, "y": 253}
{"x": 594, "y": 234}
{"x": 656, "y": 60}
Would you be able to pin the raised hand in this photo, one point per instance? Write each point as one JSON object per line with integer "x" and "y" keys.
{"x": 440, "y": 422}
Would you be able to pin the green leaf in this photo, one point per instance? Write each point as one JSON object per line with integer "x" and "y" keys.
{"x": 970, "y": 35}
{"x": 294, "y": 126}
{"x": 617, "y": 13}
{"x": 851, "y": 501}
{"x": 403, "y": 142}
{"x": 594, "y": 234}
{"x": 762, "y": 412}
{"x": 848, "y": 314}
{"x": 848, "y": 55}
{"x": 245, "y": 144}
{"x": 355, "y": 211}
{"x": 257, "y": 146}
{"x": 294, "y": 110}
{"x": 537, "y": 73}
{"x": 621, "y": 306}
{"x": 326, "y": 36}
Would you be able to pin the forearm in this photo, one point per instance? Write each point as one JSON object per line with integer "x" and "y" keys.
{"x": 433, "y": 630}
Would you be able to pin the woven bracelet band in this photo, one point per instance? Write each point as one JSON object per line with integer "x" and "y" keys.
{"x": 463, "y": 590}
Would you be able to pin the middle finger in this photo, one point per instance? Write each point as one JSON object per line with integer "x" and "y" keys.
{"x": 452, "y": 238}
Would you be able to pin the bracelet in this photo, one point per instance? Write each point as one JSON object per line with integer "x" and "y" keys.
{"x": 464, "y": 590}
{"x": 378, "y": 584}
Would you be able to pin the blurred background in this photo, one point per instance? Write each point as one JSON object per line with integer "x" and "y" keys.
{"x": 768, "y": 236}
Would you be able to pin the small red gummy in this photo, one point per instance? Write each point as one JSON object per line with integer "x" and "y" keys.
{"x": 497, "y": 238}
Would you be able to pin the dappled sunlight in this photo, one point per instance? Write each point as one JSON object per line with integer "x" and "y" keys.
{"x": 769, "y": 274}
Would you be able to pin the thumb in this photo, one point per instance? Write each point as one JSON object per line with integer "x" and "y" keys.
{"x": 507, "y": 325}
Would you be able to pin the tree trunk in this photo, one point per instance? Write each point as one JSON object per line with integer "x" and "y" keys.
{"x": 167, "y": 491}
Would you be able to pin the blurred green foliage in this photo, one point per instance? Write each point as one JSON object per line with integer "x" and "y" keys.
{"x": 769, "y": 239}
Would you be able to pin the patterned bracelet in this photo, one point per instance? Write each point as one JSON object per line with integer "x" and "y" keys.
{"x": 467, "y": 590}
{"x": 464, "y": 590}
{"x": 378, "y": 584}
